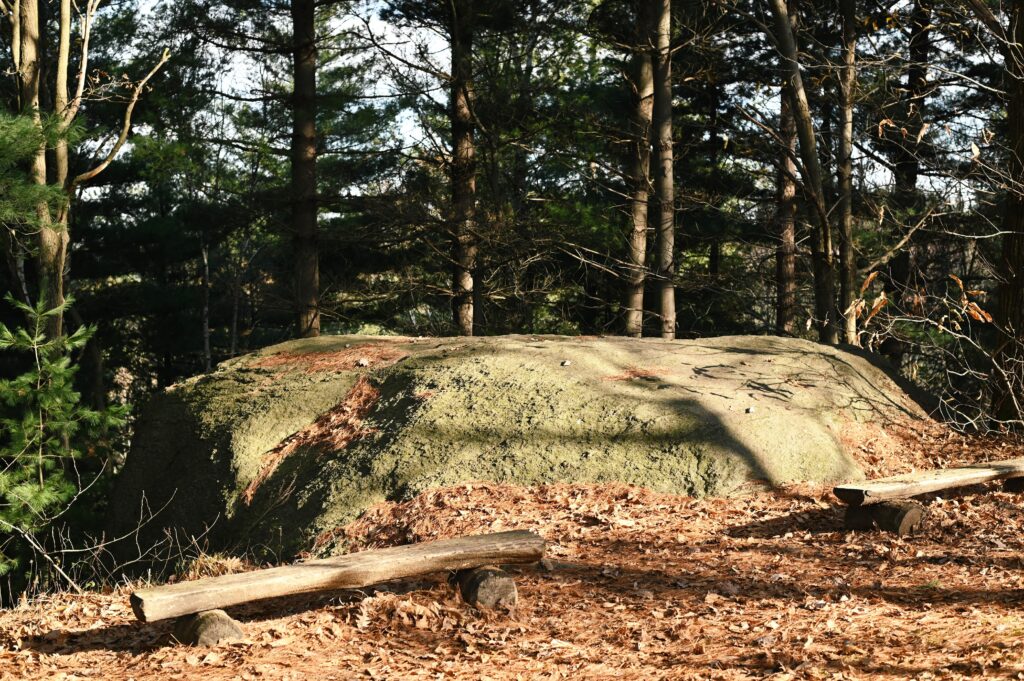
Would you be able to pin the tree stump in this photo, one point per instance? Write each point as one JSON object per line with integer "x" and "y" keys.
{"x": 487, "y": 587}
{"x": 207, "y": 628}
{"x": 899, "y": 517}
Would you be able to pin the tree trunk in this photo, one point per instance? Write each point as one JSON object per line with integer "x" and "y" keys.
{"x": 908, "y": 163}
{"x": 51, "y": 238}
{"x": 236, "y": 294}
{"x": 204, "y": 251}
{"x": 848, "y": 83}
{"x": 1008, "y": 383}
{"x": 640, "y": 177}
{"x": 900, "y": 283}
{"x": 824, "y": 274}
{"x": 664, "y": 187}
{"x": 785, "y": 215}
{"x": 463, "y": 167}
{"x": 303, "y": 153}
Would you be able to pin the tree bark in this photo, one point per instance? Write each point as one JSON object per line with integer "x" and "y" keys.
{"x": 900, "y": 283}
{"x": 908, "y": 163}
{"x": 640, "y": 176}
{"x": 664, "y": 186}
{"x": 463, "y": 166}
{"x": 51, "y": 239}
{"x": 824, "y": 270}
{"x": 29, "y": 58}
{"x": 848, "y": 83}
{"x": 303, "y": 155}
{"x": 1008, "y": 378}
{"x": 785, "y": 216}
{"x": 204, "y": 251}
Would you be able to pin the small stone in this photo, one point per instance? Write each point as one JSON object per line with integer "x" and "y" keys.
{"x": 487, "y": 587}
{"x": 207, "y": 628}
{"x": 750, "y": 410}
{"x": 566, "y": 362}
{"x": 363, "y": 362}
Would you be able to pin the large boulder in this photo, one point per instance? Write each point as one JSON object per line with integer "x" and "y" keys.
{"x": 274, "y": 450}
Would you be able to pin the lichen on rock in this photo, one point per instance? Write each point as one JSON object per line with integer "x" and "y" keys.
{"x": 276, "y": 448}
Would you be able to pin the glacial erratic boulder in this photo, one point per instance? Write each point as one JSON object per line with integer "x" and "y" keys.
{"x": 275, "y": 450}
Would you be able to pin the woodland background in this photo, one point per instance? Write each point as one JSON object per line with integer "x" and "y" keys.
{"x": 220, "y": 176}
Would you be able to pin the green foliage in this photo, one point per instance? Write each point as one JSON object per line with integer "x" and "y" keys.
{"x": 44, "y": 432}
{"x": 20, "y": 137}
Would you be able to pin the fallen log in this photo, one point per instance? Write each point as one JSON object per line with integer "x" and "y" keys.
{"x": 900, "y": 517}
{"x": 913, "y": 484}
{"x": 352, "y": 571}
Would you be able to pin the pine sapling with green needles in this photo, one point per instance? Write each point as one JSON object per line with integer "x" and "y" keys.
{"x": 45, "y": 432}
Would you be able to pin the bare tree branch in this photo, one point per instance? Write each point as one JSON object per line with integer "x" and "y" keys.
{"x": 125, "y": 128}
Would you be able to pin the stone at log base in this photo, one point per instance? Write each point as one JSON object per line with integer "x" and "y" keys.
{"x": 900, "y": 517}
{"x": 207, "y": 628}
{"x": 1013, "y": 485}
{"x": 487, "y": 587}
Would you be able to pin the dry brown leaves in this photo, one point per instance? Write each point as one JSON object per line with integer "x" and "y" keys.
{"x": 641, "y": 586}
{"x": 332, "y": 430}
{"x": 903, "y": 447}
{"x": 370, "y": 355}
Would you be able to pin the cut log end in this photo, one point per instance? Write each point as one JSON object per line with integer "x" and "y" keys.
{"x": 901, "y": 518}
{"x": 208, "y": 628}
{"x": 487, "y": 588}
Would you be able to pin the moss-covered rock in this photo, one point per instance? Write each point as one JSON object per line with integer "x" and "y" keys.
{"x": 277, "y": 448}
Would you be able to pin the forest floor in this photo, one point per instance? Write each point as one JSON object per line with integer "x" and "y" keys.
{"x": 642, "y": 586}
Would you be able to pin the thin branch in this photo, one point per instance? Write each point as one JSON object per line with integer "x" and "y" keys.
{"x": 76, "y": 102}
{"x": 888, "y": 255}
{"x": 985, "y": 16}
{"x": 125, "y": 128}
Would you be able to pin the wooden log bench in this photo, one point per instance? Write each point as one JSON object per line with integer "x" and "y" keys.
{"x": 884, "y": 502}
{"x": 473, "y": 560}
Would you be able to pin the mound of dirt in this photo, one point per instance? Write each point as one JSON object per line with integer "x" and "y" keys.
{"x": 275, "y": 450}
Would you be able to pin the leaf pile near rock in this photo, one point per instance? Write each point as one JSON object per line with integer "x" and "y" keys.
{"x": 639, "y": 585}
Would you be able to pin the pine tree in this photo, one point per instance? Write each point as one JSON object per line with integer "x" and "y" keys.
{"x": 44, "y": 431}
{"x": 44, "y": 428}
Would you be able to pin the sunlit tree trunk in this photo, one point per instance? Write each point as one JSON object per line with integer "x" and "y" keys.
{"x": 30, "y": 62}
{"x": 51, "y": 240}
{"x": 664, "y": 186}
{"x": 463, "y": 167}
{"x": 640, "y": 175}
{"x": 303, "y": 153}
{"x": 785, "y": 216}
{"x": 848, "y": 83}
{"x": 824, "y": 270}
